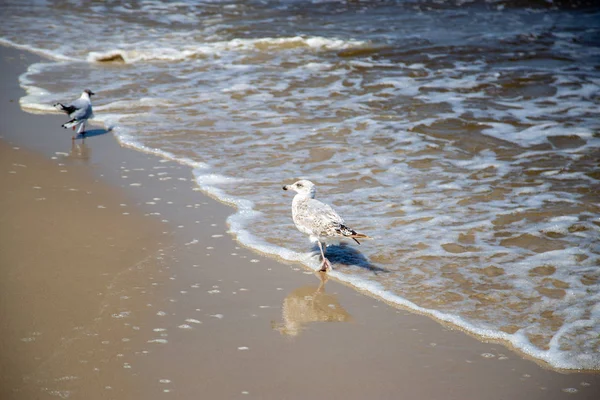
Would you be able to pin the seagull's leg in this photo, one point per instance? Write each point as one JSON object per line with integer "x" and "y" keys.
{"x": 323, "y": 279}
{"x": 325, "y": 265}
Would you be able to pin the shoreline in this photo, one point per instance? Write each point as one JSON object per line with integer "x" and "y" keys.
{"x": 238, "y": 224}
{"x": 241, "y": 299}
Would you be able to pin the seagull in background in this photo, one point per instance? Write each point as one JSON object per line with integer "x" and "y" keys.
{"x": 79, "y": 111}
{"x": 318, "y": 220}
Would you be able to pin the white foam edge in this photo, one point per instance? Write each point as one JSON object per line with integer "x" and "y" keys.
{"x": 127, "y": 140}
{"x": 33, "y": 102}
{"x": 553, "y": 356}
{"x": 132, "y": 56}
{"x": 211, "y": 48}
{"x": 245, "y": 214}
{"x": 41, "y": 52}
{"x": 315, "y": 42}
{"x": 518, "y": 340}
{"x": 36, "y": 99}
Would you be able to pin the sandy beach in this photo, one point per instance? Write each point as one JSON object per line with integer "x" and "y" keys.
{"x": 120, "y": 281}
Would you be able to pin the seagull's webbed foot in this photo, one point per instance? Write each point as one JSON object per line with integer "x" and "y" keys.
{"x": 325, "y": 265}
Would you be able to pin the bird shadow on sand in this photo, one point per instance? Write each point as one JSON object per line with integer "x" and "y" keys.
{"x": 92, "y": 133}
{"x": 346, "y": 255}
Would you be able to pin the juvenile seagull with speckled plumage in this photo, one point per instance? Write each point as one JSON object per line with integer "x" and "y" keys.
{"x": 318, "y": 220}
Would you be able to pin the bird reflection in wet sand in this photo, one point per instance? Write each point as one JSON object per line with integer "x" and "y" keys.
{"x": 80, "y": 151}
{"x": 310, "y": 304}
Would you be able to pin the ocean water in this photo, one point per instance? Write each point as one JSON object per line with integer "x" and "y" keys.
{"x": 463, "y": 136}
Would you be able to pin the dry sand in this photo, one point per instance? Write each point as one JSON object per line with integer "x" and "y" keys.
{"x": 163, "y": 303}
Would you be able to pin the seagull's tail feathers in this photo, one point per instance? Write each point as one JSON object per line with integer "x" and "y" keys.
{"x": 351, "y": 233}
{"x": 71, "y": 124}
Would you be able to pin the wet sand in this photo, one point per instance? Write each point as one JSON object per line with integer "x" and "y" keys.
{"x": 161, "y": 302}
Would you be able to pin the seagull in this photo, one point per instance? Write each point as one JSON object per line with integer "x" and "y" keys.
{"x": 79, "y": 111}
{"x": 318, "y": 220}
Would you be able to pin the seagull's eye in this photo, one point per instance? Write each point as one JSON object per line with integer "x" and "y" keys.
{"x": 299, "y": 185}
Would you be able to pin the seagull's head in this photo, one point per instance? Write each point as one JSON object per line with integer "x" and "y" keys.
{"x": 303, "y": 187}
{"x": 89, "y": 92}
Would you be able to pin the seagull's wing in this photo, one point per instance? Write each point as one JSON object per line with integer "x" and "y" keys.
{"x": 319, "y": 217}
{"x": 82, "y": 109}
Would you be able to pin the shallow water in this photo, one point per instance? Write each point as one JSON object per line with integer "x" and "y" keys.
{"x": 464, "y": 138}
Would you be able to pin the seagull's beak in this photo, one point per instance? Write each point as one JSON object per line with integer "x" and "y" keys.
{"x": 92, "y": 93}
{"x": 285, "y": 187}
